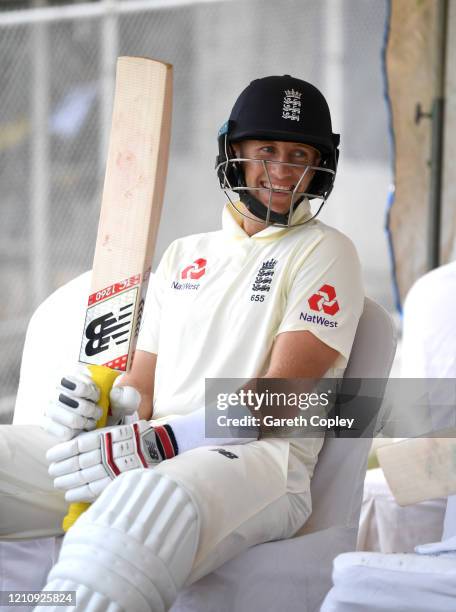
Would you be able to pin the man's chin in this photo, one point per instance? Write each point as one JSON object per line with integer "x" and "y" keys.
{"x": 278, "y": 205}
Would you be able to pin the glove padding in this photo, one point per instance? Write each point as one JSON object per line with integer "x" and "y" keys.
{"x": 76, "y": 410}
{"x": 84, "y": 466}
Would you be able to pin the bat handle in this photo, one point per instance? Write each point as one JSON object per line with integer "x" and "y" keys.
{"x": 104, "y": 378}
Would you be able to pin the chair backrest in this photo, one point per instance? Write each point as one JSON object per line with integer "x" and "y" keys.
{"x": 337, "y": 483}
{"x": 52, "y": 344}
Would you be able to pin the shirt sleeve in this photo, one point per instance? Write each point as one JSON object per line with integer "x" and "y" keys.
{"x": 325, "y": 293}
{"x": 149, "y": 331}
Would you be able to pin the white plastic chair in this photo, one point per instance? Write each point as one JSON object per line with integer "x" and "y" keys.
{"x": 286, "y": 575}
{"x": 295, "y": 574}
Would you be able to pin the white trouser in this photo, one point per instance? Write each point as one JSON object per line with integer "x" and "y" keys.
{"x": 242, "y": 501}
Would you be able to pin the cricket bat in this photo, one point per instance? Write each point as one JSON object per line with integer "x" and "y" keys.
{"x": 130, "y": 214}
{"x": 420, "y": 468}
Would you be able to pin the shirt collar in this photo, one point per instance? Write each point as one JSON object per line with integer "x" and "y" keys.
{"x": 232, "y": 221}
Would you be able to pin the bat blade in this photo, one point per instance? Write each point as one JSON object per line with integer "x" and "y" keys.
{"x": 130, "y": 212}
{"x": 420, "y": 468}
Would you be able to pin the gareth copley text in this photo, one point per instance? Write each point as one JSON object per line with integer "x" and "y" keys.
{"x": 300, "y": 421}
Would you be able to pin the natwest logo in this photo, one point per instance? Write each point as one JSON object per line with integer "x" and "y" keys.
{"x": 324, "y": 300}
{"x": 195, "y": 270}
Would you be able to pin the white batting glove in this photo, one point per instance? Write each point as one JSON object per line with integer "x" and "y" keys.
{"x": 84, "y": 467}
{"x": 124, "y": 402}
{"x": 75, "y": 409}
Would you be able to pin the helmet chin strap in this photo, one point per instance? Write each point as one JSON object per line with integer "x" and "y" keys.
{"x": 259, "y": 210}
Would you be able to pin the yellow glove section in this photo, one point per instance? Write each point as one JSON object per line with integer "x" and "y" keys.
{"x": 104, "y": 378}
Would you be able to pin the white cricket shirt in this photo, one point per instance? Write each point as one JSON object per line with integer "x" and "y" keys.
{"x": 218, "y": 300}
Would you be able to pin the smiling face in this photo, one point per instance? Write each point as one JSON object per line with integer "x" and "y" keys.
{"x": 282, "y": 178}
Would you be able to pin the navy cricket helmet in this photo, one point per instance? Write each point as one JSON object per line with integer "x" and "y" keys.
{"x": 279, "y": 108}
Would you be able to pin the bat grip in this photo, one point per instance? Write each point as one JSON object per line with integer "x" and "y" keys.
{"x": 104, "y": 378}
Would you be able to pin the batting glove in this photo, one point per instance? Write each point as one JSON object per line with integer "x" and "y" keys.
{"x": 84, "y": 467}
{"x": 75, "y": 409}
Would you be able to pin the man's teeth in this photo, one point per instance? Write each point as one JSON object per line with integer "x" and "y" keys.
{"x": 279, "y": 187}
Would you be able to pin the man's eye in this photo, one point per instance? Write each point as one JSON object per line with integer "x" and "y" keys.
{"x": 267, "y": 150}
{"x": 302, "y": 155}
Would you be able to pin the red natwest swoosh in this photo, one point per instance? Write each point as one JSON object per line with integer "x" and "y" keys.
{"x": 195, "y": 270}
{"x": 324, "y": 299}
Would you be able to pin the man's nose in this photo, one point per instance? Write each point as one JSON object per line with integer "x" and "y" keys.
{"x": 280, "y": 167}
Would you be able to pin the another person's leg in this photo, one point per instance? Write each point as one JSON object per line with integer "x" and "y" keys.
{"x": 376, "y": 582}
{"x": 30, "y": 507}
